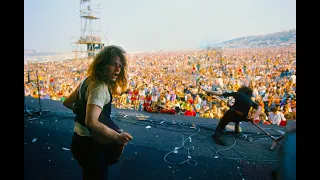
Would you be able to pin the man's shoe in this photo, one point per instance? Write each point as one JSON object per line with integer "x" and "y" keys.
{"x": 237, "y": 128}
{"x": 219, "y": 139}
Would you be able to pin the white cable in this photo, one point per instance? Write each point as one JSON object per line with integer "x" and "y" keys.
{"x": 227, "y": 148}
{"x": 235, "y": 141}
{"x": 189, "y": 159}
{"x": 282, "y": 133}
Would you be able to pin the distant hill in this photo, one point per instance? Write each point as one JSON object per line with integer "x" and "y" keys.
{"x": 283, "y": 38}
{"x": 37, "y": 53}
{"x": 27, "y": 51}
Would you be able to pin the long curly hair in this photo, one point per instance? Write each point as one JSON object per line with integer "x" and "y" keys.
{"x": 246, "y": 90}
{"x": 97, "y": 68}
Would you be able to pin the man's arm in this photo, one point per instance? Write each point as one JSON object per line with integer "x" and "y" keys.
{"x": 97, "y": 96}
{"x": 257, "y": 113}
{"x": 217, "y": 93}
{"x": 100, "y": 132}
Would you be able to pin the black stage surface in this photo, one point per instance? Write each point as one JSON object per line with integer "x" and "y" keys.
{"x": 150, "y": 155}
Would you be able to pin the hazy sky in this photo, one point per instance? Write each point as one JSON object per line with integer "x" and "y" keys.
{"x": 144, "y": 25}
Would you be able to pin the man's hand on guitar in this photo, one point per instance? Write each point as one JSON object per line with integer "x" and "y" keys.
{"x": 124, "y": 138}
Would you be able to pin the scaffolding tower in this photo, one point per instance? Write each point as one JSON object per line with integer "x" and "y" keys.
{"x": 90, "y": 42}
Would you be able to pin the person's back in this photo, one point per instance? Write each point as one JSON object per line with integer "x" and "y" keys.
{"x": 242, "y": 102}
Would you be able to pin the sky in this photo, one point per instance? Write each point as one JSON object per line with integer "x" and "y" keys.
{"x": 151, "y": 25}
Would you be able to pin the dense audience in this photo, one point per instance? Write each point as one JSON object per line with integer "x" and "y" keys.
{"x": 172, "y": 82}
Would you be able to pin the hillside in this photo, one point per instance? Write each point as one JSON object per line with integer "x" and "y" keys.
{"x": 283, "y": 38}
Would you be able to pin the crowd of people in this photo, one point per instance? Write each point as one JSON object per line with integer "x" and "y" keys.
{"x": 173, "y": 81}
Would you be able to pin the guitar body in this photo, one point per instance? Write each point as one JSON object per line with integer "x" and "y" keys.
{"x": 113, "y": 153}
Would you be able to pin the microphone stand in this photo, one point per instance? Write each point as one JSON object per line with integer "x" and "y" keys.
{"x": 26, "y": 111}
{"x": 34, "y": 114}
{"x": 40, "y": 109}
